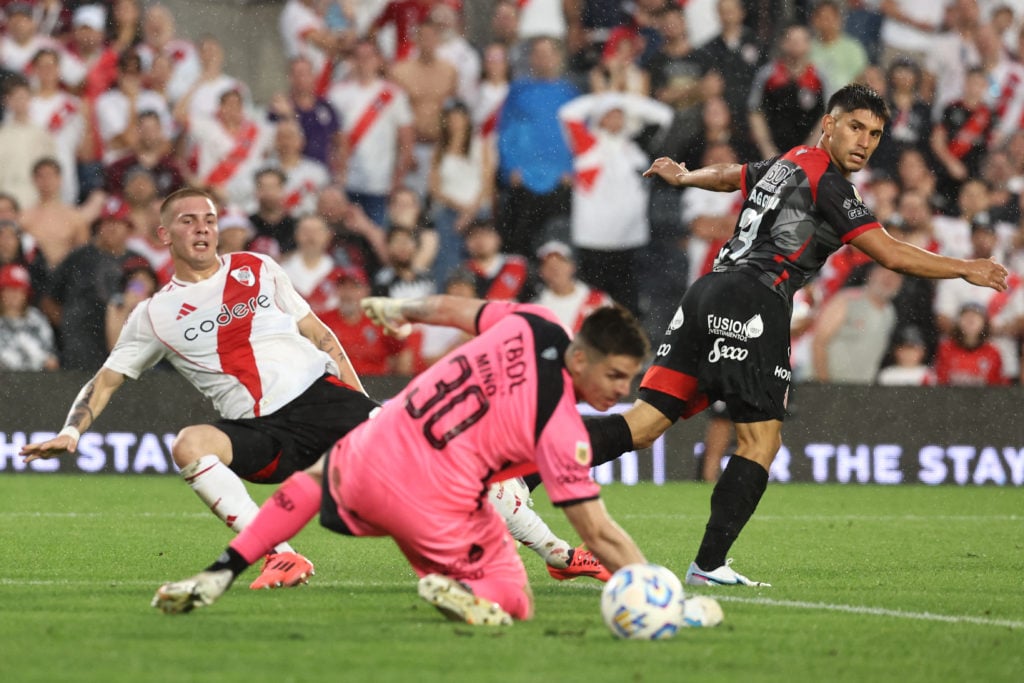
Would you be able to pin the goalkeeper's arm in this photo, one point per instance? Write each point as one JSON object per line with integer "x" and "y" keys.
{"x": 438, "y": 309}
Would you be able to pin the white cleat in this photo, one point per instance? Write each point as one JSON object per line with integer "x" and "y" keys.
{"x": 458, "y": 603}
{"x": 179, "y": 597}
{"x": 723, "y": 576}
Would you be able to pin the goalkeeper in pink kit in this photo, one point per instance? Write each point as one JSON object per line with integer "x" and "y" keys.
{"x": 501, "y": 405}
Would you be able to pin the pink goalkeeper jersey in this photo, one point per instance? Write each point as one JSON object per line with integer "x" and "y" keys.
{"x": 234, "y": 336}
{"x": 500, "y": 405}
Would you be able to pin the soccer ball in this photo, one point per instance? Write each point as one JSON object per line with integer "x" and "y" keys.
{"x": 643, "y": 602}
{"x": 702, "y": 611}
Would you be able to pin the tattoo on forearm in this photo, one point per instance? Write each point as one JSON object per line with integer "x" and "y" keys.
{"x": 81, "y": 410}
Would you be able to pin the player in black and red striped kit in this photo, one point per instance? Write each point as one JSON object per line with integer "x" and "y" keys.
{"x": 729, "y": 339}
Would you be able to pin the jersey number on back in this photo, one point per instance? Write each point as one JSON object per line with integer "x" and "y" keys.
{"x": 447, "y": 396}
{"x": 749, "y": 224}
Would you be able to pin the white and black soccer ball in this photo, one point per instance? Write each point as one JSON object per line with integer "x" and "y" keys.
{"x": 702, "y": 611}
{"x": 643, "y": 602}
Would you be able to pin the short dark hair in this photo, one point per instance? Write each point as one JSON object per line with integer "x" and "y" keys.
{"x": 44, "y": 162}
{"x": 270, "y": 170}
{"x": 613, "y": 331}
{"x": 858, "y": 96}
{"x": 182, "y": 193}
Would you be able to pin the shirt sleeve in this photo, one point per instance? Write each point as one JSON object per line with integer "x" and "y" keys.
{"x": 285, "y": 294}
{"x": 494, "y": 311}
{"x": 564, "y": 456}
{"x": 137, "y": 348}
{"x": 752, "y": 172}
{"x": 843, "y": 209}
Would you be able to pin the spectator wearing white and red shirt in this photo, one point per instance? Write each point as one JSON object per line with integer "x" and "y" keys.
{"x": 229, "y": 149}
{"x": 405, "y": 16}
{"x": 158, "y": 34}
{"x": 609, "y": 202}
{"x": 304, "y": 177}
{"x": 491, "y": 93}
{"x": 23, "y": 40}
{"x": 567, "y": 297}
{"x": 311, "y": 263}
{"x": 378, "y": 132}
{"x": 87, "y": 47}
{"x": 305, "y": 34}
{"x": 117, "y": 110}
{"x": 204, "y": 96}
{"x": 60, "y": 114}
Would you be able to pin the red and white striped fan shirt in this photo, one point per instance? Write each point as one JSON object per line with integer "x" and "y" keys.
{"x": 233, "y": 336}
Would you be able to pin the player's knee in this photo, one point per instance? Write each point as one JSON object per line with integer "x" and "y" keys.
{"x": 192, "y": 443}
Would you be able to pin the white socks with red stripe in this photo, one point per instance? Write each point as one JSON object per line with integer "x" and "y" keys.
{"x": 512, "y": 500}
{"x": 224, "y": 493}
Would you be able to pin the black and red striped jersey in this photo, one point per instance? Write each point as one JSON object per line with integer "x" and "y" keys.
{"x": 798, "y": 209}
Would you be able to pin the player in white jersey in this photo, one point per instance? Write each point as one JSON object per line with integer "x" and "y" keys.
{"x": 237, "y": 330}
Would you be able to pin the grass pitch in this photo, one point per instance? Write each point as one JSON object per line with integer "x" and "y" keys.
{"x": 870, "y": 584}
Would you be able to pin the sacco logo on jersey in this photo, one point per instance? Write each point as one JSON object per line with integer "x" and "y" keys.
{"x": 242, "y": 309}
{"x": 722, "y": 350}
{"x": 742, "y": 331}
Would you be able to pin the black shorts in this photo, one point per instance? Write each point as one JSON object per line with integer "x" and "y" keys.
{"x": 268, "y": 449}
{"x": 728, "y": 341}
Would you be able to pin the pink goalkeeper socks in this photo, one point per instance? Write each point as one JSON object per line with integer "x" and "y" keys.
{"x": 283, "y": 516}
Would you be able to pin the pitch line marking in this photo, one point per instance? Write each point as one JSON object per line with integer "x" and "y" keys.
{"x": 635, "y": 516}
{"x": 836, "y": 518}
{"x": 767, "y": 602}
{"x": 874, "y": 611}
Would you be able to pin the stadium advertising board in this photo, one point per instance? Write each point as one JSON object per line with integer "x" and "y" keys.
{"x": 845, "y": 435}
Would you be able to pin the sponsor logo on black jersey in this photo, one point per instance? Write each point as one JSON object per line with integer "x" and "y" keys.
{"x": 776, "y": 176}
{"x": 735, "y": 329}
{"x": 721, "y": 351}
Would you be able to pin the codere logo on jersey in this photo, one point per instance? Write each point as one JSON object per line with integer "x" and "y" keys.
{"x": 727, "y": 327}
{"x": 226, "y": 316}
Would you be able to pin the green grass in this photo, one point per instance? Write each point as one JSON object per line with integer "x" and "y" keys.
{"x": 870, "y": 584}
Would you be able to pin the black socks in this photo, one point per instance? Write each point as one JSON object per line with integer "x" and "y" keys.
{"x": 733, "y": 502}
{"x": 229, "y": 559}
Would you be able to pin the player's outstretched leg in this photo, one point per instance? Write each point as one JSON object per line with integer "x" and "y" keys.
{"x": 283, "y": 515}
{"x": 458, "y": 603}
{"x": 226, "y": 496}
{"x": 511, "y": 498}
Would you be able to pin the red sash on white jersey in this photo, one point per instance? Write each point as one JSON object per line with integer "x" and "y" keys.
{"x": 369, "y": 116}
{"x": 227, "y": 168}
{"x": 581, "y": 140}
{"x": 1006, "y": 94}
{"x": 233, "y": 344}
{"x": 60, "y": 116}
{"x": 295, "y": 197}
{"x": 595, "y": 299}
{"x": 490, "y": 124}
{"x": 998, "y": 302}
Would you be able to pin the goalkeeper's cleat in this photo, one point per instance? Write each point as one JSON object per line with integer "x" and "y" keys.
{"x": 179, "y": 597}
{"x": 581, "y": 563}
{"x": 723, "y": 576}
{"x": 283, "y": 570}
{"x": 458, "y": 603}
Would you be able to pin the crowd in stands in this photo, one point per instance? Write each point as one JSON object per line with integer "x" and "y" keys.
{"x": 403, "y": 159}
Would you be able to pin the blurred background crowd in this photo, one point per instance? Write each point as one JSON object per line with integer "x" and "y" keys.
{"x": 406, "y": 155}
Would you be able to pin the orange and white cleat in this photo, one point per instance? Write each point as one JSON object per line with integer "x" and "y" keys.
{"x": 283, "y": 570}
{"x": 581, "y": 563}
